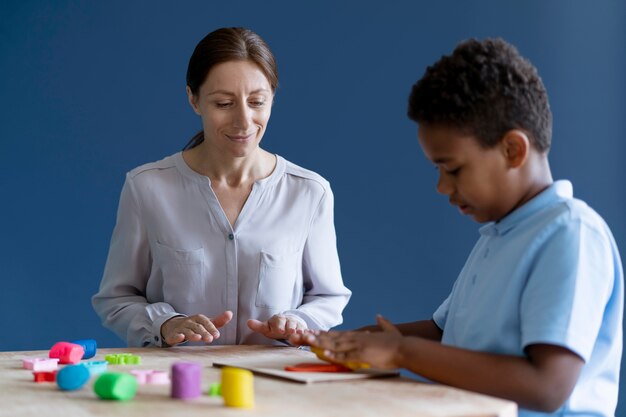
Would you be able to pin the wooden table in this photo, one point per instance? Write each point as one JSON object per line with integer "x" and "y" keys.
{"x": 397, "y": 396}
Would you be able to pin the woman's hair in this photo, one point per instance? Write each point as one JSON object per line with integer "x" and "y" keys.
{"x": 223, "y": 45}
{"x": 486, "y": 88}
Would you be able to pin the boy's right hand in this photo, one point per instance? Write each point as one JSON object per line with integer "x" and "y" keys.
{"x": 308, "y": 337}
{"x": 378, "y": 349}
{"x": 371, "y": 328}
{"x": 194, "y": 328}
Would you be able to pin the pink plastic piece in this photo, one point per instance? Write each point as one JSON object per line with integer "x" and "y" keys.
{"x": 68, "y": 353}
{"x": 40, "y": 364}
{"x": 141, "y": 375}
{"x": 149, "y": 376}
{"x": 159, "y": 378}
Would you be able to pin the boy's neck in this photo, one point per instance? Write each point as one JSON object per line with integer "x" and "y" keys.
{"x": 536, "y": 177}
{"x": 540, "y": 177}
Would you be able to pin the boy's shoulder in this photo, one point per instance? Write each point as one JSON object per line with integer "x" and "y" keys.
{"x": 575, "y": 210}
{"x": 555, "y": 211}
{"x": 563, "y": 221}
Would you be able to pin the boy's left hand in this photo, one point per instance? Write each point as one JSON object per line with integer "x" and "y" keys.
{"x": 279, "y": 326}
{"x": 378, "y": 349}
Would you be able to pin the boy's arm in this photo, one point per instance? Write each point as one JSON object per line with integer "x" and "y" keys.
{"x": 541, "y": 381}
{"x": 422, "y": 328}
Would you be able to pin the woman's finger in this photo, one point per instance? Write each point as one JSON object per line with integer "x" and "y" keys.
{"x": 277, "y": 324}
{"x": 190, "y": 335}
{"x": 222, "y": 319}
{"x": 206, "y": 324}
{"x": 201, "y": 330}
{"x": 174, "y": 339}
{"x": 306, "y": 339}
{"x": 298, "y": 339}
{"x": 291, "y": 326}
{"x": 259, "y": 326}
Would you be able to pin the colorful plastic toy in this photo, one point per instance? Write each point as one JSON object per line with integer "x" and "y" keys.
{"x": 215, "y": 390}
{"x": 352, "y": 365}
{"x": 41, "y": 364}
{"x": 123, "y": 359}
{"x": 149, "y": 376}
{"x": 186, "y": 380}
{"x": 317, "y": 367}
{"x": 72, "y": 377}
{"x": 68, "y": 353}
{"x": 45, "y": 376}
{"x": 237, "y": 387}
{"x": 89, "y": 346}
{"x": 96, "y": 367}
{"x": 115, "y": 386}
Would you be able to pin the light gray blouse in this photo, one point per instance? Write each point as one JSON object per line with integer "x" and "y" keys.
{"x": 173, "y": 251}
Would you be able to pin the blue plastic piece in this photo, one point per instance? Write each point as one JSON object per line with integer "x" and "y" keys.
{"x": 89, "y": 345}
{"x": 73, "y": 377}
{"x": 96, "y": 367}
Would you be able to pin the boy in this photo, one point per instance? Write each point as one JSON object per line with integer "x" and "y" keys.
{"x": 535, "y": 315}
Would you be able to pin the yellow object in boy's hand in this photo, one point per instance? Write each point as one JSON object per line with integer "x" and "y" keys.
{"x": 351, "y": 364}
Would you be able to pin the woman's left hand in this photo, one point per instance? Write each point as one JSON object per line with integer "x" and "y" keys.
{"x": 279, "y": 326}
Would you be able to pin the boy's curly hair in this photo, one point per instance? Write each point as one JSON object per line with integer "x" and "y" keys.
{"x": 485, "y": 88}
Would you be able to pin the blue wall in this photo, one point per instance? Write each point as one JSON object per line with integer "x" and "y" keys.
{"x": 89, "y": 90}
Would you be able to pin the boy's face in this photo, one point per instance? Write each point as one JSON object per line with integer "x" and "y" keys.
{"x": 476, "y": 179}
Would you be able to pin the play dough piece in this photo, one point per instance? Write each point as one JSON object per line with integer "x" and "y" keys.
{"x": 73, "y": 377}
{"x": 115, "y": 386}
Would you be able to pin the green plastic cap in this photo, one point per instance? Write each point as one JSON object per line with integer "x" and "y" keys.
{"x": 115, "y": 386}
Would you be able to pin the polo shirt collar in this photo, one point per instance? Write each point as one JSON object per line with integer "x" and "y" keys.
{"x": 557, "y": 191}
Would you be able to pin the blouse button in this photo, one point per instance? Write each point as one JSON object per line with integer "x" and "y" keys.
{"x": 231, "y": 236}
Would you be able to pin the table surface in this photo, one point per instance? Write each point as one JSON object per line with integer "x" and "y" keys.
{"x": 397, "y": 396}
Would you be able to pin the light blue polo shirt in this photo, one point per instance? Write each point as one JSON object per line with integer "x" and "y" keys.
{"x": 549, "y": 272}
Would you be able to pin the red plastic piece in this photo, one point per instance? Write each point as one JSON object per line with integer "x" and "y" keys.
{"x": 45, "y": 376}
{"x": 317, "y": 367}
{"x": 68, "y": 353}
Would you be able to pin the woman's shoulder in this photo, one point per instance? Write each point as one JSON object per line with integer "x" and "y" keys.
{"x": 153, "y": 168}
{"x": 306, "y": 175}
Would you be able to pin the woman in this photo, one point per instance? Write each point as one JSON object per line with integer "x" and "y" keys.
{"x": 224, "y": 242}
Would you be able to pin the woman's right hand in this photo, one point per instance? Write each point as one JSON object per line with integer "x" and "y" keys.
{"x": 194, "y": 328}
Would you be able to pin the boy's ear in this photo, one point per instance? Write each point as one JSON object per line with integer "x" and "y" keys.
{"x": 515, "y": 146}
{"x": 192, "y": 101}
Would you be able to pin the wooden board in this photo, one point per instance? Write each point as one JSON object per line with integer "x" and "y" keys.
{"x": 275, "y": 367}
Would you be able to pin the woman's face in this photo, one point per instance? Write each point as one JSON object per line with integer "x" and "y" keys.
{"x": 235, "y": 103}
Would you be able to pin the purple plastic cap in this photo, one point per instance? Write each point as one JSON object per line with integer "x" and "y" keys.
{"x": 186, "y": 380}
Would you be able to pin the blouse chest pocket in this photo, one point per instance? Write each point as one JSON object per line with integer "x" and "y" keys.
{"x": 277, "y": 281}
{"x": 183, "y": 274}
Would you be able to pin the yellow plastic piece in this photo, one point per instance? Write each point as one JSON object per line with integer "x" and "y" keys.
{"x": 237, "y": 387}
{"x": 350, "y": 364}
